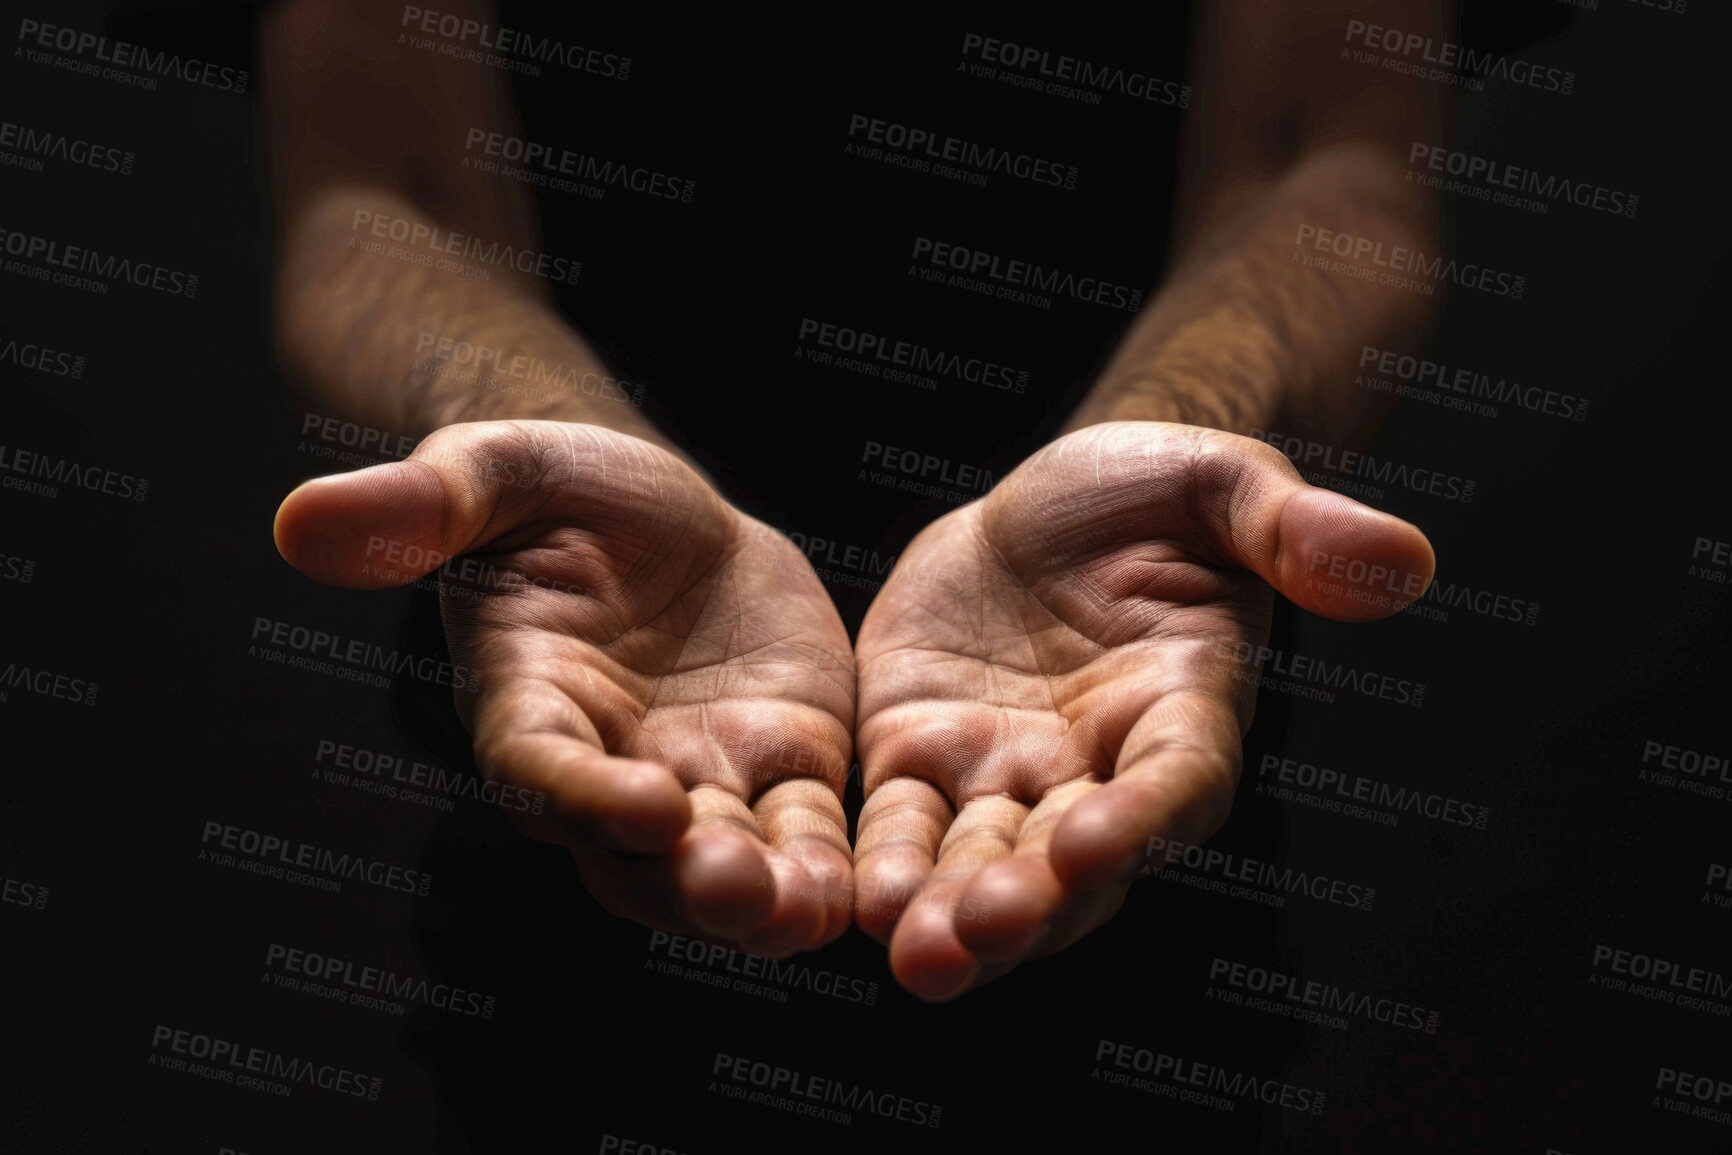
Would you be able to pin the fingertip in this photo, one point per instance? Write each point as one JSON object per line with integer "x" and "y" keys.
{"x": 1094, "y": 844}
{"x": 728, "y": 886}
{"x": 1349, "y": 562}
{"x": 652, "y": 810}
{"x": 829, "y": 882}
{"x": 1006, "y": 908}
{"x": 882, "y": 889}
{"x": 798, "y": 918}
{"x": 931, "y": 965}
{"x": 371, "y": 528}
{"x": 295, "y": 516}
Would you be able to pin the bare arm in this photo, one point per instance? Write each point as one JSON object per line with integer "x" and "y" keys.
{"x": 665, "y": 670}
{"x": 366, "y": 140}
{"x": 1287, "y": 133}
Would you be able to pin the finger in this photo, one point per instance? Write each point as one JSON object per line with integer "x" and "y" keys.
{"x": 1321, "y": 550}
{"x": 1173, "y": 785}
{"x": 807, "y": 831}
{"x": 926, "y": 955}
{"x": 531, "y": 735}
{"x": 723, "y": 874}
{"x": 1009, "y": 906}
{"x": 1018, "y": 909}
{"x": 690, "y": 890}
{"x": 902, "y": 826}
{"x": 1076, "y": 915}
{"x": 467, "y": 485}
{"x": 722, "y": 882}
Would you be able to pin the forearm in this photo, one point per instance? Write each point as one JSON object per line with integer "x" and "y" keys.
{"x": 1244, "y": 331}
{"x": 1285, "y": 135}
{"x": 411, "y": 348}
{"x": 402, "y": 333}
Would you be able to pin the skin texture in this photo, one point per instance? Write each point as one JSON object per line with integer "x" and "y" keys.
{"x": 1047, "y": 678}
{"x": 668, "y": 671}
{"x": 1052, "y": 676}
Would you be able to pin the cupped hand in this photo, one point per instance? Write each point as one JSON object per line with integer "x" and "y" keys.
{"x": 1054, "y": 676}
{"x": 669, "y": 672}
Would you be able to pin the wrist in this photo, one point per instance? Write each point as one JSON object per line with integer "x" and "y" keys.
{"x": 534, "y": 369}
{"x": 1173, "y": 394}
{"x": 1244, "y": 332}
{"x": 412, "y": 348}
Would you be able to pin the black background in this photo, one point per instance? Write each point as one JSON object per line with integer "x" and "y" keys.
{"x": 701, "y": 303}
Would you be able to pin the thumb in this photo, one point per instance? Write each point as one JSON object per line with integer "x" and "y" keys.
{"x": 388, "y": 524}
{"x": 1321, "y": 550}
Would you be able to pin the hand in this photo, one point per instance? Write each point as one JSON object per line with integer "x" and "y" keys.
{"x": 667, "y": 670}
{"x": 1049, "y": 679}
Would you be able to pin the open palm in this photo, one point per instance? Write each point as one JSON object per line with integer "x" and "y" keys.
{"x": 668, "y": 671}
{"x": 1052, "y": 676}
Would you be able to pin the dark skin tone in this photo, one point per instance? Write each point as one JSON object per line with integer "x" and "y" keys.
{"x": 1045, "y": 682}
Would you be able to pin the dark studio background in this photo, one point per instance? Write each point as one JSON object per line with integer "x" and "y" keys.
{"x": 1544, "y": 725}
